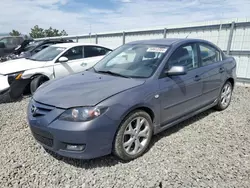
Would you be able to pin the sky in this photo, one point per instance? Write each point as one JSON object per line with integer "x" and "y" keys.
{"x": 96, "y": 16}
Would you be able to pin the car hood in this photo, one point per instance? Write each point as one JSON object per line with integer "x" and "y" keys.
{"x": 17, "y": 65}
{"x": 82, "y": 89}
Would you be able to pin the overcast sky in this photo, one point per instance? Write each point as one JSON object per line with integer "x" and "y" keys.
{"x": 83, "y": 16}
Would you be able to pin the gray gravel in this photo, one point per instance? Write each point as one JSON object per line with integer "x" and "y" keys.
{"x": 209, "y": 150}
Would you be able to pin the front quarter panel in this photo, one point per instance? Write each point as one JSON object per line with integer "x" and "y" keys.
{"x": 120, "y": 105}
{"x": 46, "y": 70}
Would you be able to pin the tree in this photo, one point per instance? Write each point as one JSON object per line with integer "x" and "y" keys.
{"x": 14, "y": 33}
{"x": 63, "y": 33}
{"x": 38, "y": 32}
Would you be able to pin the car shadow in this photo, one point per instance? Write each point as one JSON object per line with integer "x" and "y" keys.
{"x": 179, "y": 126}
{"x": 7, "y": 100}
{"x": 110, "y": 160}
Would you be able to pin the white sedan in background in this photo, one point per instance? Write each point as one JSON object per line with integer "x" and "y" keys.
{"x": 26, "y": 75}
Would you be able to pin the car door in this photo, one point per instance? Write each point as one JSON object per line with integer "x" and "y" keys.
{"x": 75, "y": 57}
{"x": 180, "y": 95}
{"x": 212, "y": 72}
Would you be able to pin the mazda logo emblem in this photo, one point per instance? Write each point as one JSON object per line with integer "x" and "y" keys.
{"x": 33, "y": 110}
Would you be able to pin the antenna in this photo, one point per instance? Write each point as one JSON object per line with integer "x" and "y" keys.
{"x": 188, "y": 34}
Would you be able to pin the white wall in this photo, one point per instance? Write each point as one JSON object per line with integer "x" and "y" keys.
{"x": 216, "y": 32}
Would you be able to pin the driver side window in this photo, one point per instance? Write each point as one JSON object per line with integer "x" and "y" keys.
{"x": 185, "y": 56}
{"x": 74, "y": 53}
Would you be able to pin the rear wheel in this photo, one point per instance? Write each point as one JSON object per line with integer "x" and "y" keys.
{"x": 36, "y": 82}
{"x": 133, "y": 136}
{"x": 225, "y": 96}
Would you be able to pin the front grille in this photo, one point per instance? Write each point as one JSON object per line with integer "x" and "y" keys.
{"x": 43, "y": 140}
{"x": 38, "y": 109}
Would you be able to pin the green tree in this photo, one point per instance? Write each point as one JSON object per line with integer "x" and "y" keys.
{"x": 14, "y": 33}
{"x": 63, "y": 33}
{"x": 38, "y": 32}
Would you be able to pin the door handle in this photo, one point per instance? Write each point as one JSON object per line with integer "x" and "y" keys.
{"x": 197, "y": 78}
{"x": 221, "y": 70}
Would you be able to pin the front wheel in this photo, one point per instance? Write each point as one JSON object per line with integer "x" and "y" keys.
{"x": 225, "y": 96}
{"x": 36, "y": 82}
{"x": 133, "y": 136}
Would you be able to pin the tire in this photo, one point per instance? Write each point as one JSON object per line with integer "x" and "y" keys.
{"x": 36, "y": 82}
{"x": 224, "y": 99}
{"x": 127, "y": 137}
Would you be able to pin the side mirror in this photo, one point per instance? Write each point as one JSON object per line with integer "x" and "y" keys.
{"x": 2, "y": 45}
{"x": 176, "y": 71}
{"x": 63, "y": 59}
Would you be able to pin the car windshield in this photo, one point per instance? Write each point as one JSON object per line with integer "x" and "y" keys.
{"x": 47, "y": 54}
{"x": 31, "y": 46}
{"x": 132, "y": 60}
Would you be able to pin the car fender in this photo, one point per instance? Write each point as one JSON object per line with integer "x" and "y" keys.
{"x": 135, "y": 98}
{"x": 47, "y": 71}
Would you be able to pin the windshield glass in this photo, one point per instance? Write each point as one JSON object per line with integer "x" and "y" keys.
{"x": 133, "y": 60}
{"x": 47, "y": 54}
{"x": 31, "y": 46}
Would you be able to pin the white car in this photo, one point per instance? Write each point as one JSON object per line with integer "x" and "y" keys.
{"x": 21, "y": 75}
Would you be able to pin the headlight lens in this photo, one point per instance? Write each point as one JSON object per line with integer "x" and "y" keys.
{"x": 82, "y": 114}
{"x": 14, "y": 76}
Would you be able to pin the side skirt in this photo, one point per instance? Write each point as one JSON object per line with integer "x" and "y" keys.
{"x": 161, "y": 128}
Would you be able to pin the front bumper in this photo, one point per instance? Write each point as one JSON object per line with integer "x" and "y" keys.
{"x": 96, "y": 136}
{"x": 4, "y": 84}
{"x": 16, "y": 89}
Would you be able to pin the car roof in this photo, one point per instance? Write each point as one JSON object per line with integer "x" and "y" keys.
{"x": 73, "y": 44}
{"x": 167, "y": 41}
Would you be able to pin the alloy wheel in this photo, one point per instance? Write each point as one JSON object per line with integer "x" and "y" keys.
{"x": 226, "y": 95}
{"x": 136, "y": 136}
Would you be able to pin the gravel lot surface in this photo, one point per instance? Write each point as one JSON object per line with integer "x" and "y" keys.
{"x": 209, "y": 150}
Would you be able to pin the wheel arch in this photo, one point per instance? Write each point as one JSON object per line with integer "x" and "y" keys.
{"x": 232, "y": 81}
{"x": 39, "y": 74}
{"x": 149, "y": 110}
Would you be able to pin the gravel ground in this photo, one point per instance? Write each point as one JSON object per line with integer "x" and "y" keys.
{"x": 209, "y": 150}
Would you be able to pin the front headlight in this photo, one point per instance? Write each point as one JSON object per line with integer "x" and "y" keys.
{"x": 82, "y": 114}
{"x": 14, "y": 76}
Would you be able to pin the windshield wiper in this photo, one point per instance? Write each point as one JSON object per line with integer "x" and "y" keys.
{"x": 113, "y": 73}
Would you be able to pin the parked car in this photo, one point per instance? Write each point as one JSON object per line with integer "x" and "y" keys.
{"x": 31, "y": 47}
{"x": 136, "y": 91}
{"x": 9, "y": 43}
{"x": 18, "y": 76}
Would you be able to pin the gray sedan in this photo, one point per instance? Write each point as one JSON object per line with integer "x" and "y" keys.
{"x": 136, "y": 91}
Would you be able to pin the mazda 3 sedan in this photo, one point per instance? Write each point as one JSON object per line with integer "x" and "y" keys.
{"x": 133, "y": 93}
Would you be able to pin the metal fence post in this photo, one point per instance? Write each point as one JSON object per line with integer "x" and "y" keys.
{"x": 230, "y": 38}
{"x": 123, "y": 37}
{"x": 96, "y": 39}
{"x": 165, "y": 33}
{"x": 218, "y": 39}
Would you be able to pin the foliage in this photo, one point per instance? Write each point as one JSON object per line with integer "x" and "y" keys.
{"x": 37, "y": 32}
{"x": 14, "y": 33}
